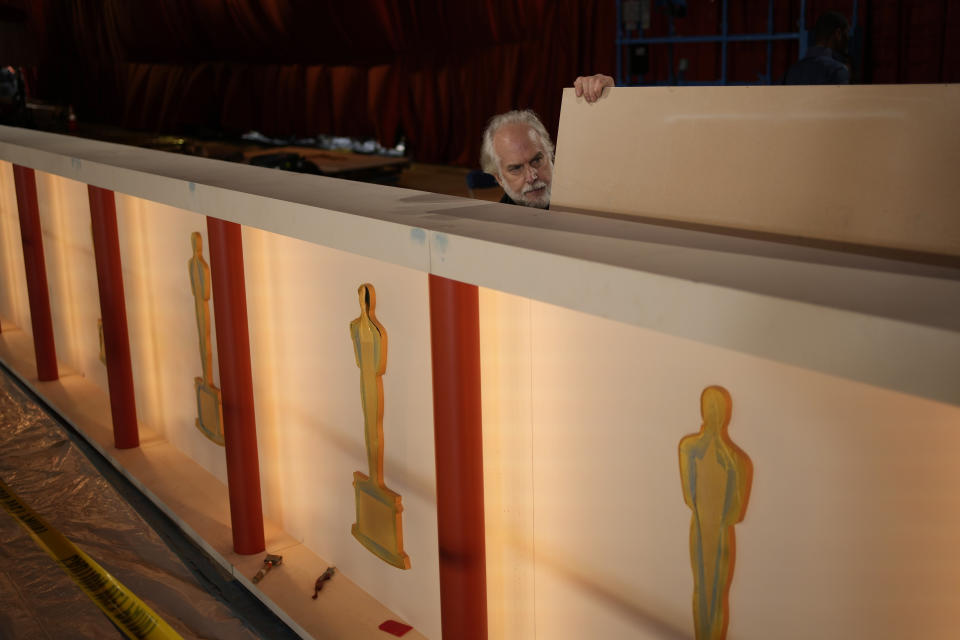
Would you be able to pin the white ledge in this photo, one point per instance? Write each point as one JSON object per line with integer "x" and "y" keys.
{"x": 876, "y": 320}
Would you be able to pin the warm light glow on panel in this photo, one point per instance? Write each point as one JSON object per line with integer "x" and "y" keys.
{"x": 71, "y": 275}
{"x": 301, "y": 298}
{"x": 852, "y": 515}
{"x": 155, "y": 249}
{"x": 507, "y": 463}
{"x": 14, "y": 307}
{"x": 263, "y": 318}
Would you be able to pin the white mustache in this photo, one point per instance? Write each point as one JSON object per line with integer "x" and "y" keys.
{"x": 539, "y": 184}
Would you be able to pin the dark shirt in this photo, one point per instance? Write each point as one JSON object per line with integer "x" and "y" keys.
{"x": 820, "y": 66}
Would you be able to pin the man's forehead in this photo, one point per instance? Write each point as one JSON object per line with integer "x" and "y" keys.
{"x": 516, "y": 139}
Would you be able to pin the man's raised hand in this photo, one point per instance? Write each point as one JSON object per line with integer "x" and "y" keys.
{"x": 591, "y": 87}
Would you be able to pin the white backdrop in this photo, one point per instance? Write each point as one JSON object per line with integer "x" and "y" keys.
{"x": 301, "y": 299}
{"x": 13, "y": 297}
{"x": 852, "y": 521}
{"x": 850, "y": 527}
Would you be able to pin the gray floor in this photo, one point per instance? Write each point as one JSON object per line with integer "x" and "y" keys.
{"x": 67, "y": 482}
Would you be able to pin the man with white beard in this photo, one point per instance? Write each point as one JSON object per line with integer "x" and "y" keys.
{"x": 518, "y": 152}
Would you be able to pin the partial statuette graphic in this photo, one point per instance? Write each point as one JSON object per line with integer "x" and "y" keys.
{"x": 209, "y": 405}
{"x": 103, "y": 349}
{"x": 716, "y": 476}
{"x": 379, "y": 525}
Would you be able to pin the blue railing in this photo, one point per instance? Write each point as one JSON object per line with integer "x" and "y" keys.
{"x": 625, "y": 76}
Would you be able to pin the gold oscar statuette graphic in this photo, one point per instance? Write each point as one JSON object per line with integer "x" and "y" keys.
{"x": 379, "y": 524}
{"x": 103, "y": 349}
{"x": 716, "y": 476}
{"x": 209, "y": 406}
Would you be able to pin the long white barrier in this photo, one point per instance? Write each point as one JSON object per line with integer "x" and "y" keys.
{"x": 597, "y": 337}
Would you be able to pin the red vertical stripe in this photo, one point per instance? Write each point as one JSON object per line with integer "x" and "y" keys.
{"x": 116, "y": 341}
{"x": 236, "y": 385}
{"x": 455, "y": 342}
{"x": 36, "y": 271}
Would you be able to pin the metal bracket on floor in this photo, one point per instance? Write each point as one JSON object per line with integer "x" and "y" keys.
{"x": 318, "y": 585}
{"x": 269, "y": 562}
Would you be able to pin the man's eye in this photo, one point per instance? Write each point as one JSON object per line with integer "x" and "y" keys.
{"x": 514, "y": 170}
{"x": 536, "y": 162}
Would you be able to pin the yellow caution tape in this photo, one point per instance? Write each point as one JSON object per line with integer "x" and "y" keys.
{"x": 134, "y": 618}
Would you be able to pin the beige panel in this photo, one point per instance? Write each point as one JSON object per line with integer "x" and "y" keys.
{"x": 301, "y": 298}
{"x": 865, "y": 318}
{"x": 199, "y": 503}
{"x": 154, "y": 249}
{"x": 851, "y": 527}
{"x": 71, "y": 274}
{"x": 14, "y": 306}
{"x": 872, "y": 165}
{"x": 507, "y": 464}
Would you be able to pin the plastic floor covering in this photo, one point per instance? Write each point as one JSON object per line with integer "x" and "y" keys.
{"x": 68, "y": 483}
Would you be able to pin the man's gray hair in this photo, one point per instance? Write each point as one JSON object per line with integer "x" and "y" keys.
{"x": 488, "y": 157}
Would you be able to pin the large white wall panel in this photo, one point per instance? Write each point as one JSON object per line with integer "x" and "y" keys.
{"x": 849, "y": 531}
{"x": 155, "y": 249}
{"x": 301, "y": 299}
{"x": 14, "y": 306}
{"x": 507, "y": 463}
{"x": 852, "y": 522}
{"x": 71, "y": 275}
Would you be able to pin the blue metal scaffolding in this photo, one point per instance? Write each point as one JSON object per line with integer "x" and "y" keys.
{"x": 723, "y": 38}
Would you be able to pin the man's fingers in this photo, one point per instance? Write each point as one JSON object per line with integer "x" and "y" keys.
{"x": 585, "y": 88}
{"x": 594, "y": 91}
{"x": 590, "y": 88}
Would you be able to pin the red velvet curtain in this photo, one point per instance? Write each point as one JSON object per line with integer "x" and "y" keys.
{"x": 431, "y": 70}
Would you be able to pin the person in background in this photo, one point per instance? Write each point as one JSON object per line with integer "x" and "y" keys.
{"x": 518, "y": 152}
{"x": 13, "y": 97}
{"x": 823, "y": 63}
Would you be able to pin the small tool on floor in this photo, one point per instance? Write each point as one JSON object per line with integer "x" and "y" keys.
{"x": 318, "y": 585}
{"x": 269, "y": 562}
